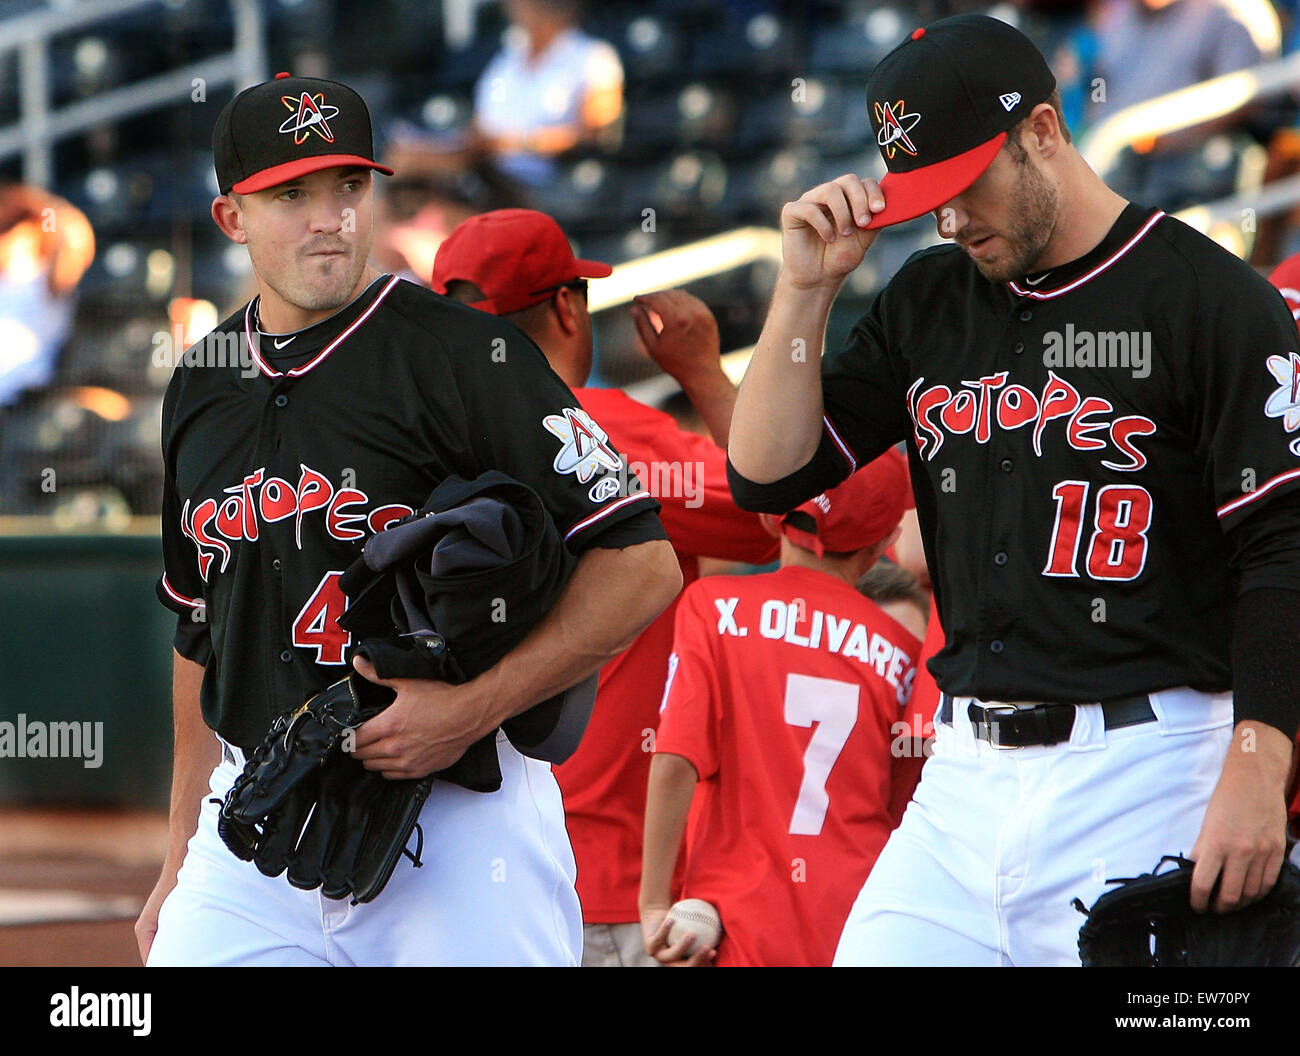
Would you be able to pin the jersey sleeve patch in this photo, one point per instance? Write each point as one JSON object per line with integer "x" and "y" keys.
{"x": 585, "y": 449}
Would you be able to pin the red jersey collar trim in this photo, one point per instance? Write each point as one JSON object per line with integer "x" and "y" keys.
{"x": 1047, "y": 295}
{"x": 270, "y": 372}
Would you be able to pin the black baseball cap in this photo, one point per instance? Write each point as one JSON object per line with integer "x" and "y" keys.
{"x": 287, "y": 127}
{"x": 941, "y": 103}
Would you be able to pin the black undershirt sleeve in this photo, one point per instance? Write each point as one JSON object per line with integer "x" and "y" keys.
{"x": 1266, "y": 626}
{"x": 825, "y": 469}
{"x": 1265, "y": 660}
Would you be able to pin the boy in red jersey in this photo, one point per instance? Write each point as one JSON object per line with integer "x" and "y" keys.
{"x": 785, "y": 695}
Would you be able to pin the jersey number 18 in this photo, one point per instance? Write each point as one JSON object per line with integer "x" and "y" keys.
{"x": 1118, "y": 547}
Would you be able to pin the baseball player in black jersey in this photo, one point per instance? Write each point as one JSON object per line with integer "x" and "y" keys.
{"x": 1101, "y": 411}
{"x": 328, "y": 407}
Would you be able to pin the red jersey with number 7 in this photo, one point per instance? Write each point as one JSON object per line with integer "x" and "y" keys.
{"x": 786, "y": 692}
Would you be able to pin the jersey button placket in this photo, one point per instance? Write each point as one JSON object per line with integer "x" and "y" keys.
{"x": 286, "y": 657}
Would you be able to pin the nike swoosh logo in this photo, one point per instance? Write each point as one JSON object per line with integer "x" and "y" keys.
{"x": 281, "y": 344}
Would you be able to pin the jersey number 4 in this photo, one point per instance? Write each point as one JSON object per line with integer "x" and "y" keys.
{"x": 1118, "y": 547}
{"x": 833, "y": 706}
{"x": 316, "y": 626}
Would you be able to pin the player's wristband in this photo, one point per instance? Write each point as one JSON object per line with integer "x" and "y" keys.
{"x": 1265, "y": 660}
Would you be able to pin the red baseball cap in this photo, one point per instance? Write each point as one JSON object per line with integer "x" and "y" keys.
{"x": 941, "y": 104}
{"x": 1286, "y": 277}
{"x": 288, "y": 127}
{"x": 517, "y": 257}
{"x": 858, "y": 513}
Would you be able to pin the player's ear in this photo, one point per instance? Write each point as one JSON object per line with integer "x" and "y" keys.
{"x": 1044, "y": 130}
{"x": 228, "y": 216}
{"x": 566, "y": 311}
{"x": 770, "y": 524}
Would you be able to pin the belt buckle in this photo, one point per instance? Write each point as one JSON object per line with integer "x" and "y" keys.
{"x": 997, "y": 709}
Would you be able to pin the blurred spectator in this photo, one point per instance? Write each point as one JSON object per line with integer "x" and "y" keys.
{"x": 1147, "y": 48}
{"x": 412, "y": 219}
{"x": 1064, "y": 32}
{"x": 550, "y": 89}
{"x": 46, "y": 245}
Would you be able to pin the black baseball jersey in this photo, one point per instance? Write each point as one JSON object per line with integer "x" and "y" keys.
{"x": 1081, "y": 442}
{"x": 283, "y": 459}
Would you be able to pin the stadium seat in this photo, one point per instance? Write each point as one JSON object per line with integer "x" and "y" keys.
{"x": 858, "y": 43}
{"x": 650, "y": 124}
{"x": 768, "y": 183}
{"x": 761, "y": 45}
{"x": 834, "y": 116}
{"x": 650, "y": 48}
{"x": 691, "y": 188}
{"x": 582, "y": 196}
{"x": 762, "y": 122}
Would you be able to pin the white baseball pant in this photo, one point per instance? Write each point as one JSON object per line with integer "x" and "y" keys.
{"x": 496, "y": 888}
{"x": 996, "y": 843}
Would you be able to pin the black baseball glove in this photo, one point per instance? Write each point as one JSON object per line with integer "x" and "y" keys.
{"x": 1148, "y": 922}
{"x": 304, "y": 805}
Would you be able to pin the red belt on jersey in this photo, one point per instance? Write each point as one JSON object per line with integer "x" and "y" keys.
{"x": 1024, "y": 723}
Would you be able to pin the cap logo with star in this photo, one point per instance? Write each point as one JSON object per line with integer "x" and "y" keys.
{"x": 894, "y": 127}
{"x": 311, "y": 114}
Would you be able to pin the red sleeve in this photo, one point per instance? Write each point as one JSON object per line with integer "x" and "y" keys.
{"x": 687, "y": 473}
{"x": 690, "y": 720}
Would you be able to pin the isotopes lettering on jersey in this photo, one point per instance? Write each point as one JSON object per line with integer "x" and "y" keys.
{"x": 259, "y": 500}
{"x": 794, "y": 623}
{"x": 1058, "y": 410}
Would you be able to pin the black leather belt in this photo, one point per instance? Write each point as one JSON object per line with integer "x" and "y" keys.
{"x": 1026, "y": 723}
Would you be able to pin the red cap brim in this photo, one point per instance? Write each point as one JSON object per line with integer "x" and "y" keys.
{"x": 592, "y": 269}
{"x": 912, "y": 194}
{"x": 291, "y": 170}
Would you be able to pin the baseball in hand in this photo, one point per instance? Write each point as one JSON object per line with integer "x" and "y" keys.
{"x": 696, "y": 917}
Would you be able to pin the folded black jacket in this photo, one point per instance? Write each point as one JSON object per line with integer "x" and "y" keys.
{"x": 449, "y": 590}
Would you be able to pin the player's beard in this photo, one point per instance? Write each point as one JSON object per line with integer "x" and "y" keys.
{"x": 1034, "y": 211}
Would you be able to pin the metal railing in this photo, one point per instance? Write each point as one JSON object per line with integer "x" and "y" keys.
{"x": 1186, "y": 108}
{"x": 40, "y": 126}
